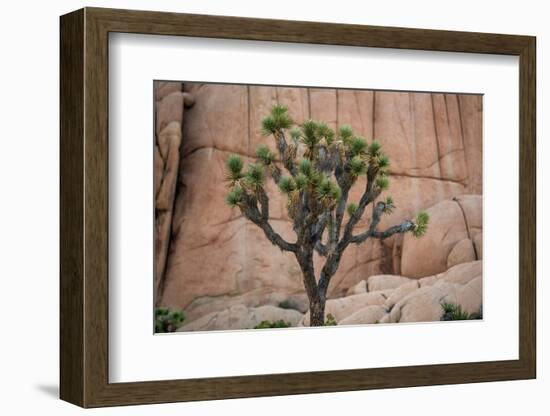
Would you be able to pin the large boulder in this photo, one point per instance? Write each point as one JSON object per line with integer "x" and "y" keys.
{"x": 385, "y": 281}
{"x": 400, "y": 292}
{"x": 241, "y": 317}
{"x": 258, "y": 297}
{"x": 453, "y": 233}
{"x": 368, "y": 315}
{"x": 358, "y": 289}
{"x": 460, "y": 285}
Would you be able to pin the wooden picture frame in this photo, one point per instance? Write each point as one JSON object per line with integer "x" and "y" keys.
{"x": 84, "y": 207}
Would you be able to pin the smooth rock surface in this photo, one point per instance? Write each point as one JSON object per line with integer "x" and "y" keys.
{"x": 241, "y": 317}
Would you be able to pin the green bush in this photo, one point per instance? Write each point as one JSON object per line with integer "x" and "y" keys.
{"x": 273, "y": 324}
{"x": 330, "y": 321}
{"x": 452, "y": 312}
{"x": 167, "y": 320}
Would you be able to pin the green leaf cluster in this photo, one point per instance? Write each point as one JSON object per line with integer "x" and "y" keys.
{"x": 266, "y": 156}
{"x": 255, "y": 176}
{"x": 421, "y": 224}
{"x": 389, "y": 205}
{"x": 454, "y": 312}
{"x": 383, "y": 182}
{"x": 167, "y": 320}
{"x": 352, "y": 208}
{"x": 273, "y": 324}
{"x": 330, "y": 320}
{"x": 278, "y": 120}
{"x": 287, "y": 184}
{"x": 234, "y": 168}
{"x": 328, "y": 191}
{"x": 234, "y": 196}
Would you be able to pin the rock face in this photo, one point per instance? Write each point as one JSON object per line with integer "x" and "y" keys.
{"x": 460, "y": 285}
{"x": 241, "y": 317}
{"x": 454, "y": 236}
{"x": 252, "y": 299}
{"x": 170, "y": 102}
{"x": 367, "y": 315}
{"x": 215, "y": 259}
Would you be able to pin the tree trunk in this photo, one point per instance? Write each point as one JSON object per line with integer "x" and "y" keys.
{"x": 316, "y": 312}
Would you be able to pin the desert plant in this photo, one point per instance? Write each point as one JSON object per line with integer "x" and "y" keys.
{"x": 167, "y": 320}
{"x": 331, "y": 320}
{"x": 273, "y": 324}
{"x": 454, "y": 312}
{"x": 321, "y": 167}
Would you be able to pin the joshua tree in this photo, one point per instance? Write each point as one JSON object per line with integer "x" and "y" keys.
{"x": 317, "y": 185}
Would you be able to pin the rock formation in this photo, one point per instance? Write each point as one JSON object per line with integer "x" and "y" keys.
{"x": 215, "y": 259}
{"x": 170, "y": 102}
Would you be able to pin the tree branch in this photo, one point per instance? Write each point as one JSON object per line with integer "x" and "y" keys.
{"x": 368, "y": 196}
{"x": 377, "y": 213}
{"x": 275, "y": 172}
{"x": 341, "y": 208}
{"x": 249, "y": 208}
{"x": 404, "y": 227}
{"x": 283, "y": 148}
{"x": 321, "y": 249}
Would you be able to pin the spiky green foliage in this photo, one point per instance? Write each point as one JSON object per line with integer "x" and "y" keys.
{"x": 287, "y": 184}
{"x": 327, "y": 190}
{"x": 234, "y": 167}
{"x": 352, "y": 208}
{"x": 295, "y": 133}
{"x": 358, "y": 145}
{"x": 255, "y": 175}
{"x": 279, "y": 119}
{"x": 310, "y": 137}
{"x": 325, "y": 132}
{"x": 167, "y": 320}
{"x": 346, "y": 133}
{"x": 421, "y": 224}
{"x": 454, "y": 312}
{"x": 306, "y": 167}
{"x": 268, "y": 126}
{"x": 330, "y": 320}
{"x": 374, "y": 148}
{"x": 389, "y": 205}
{"x": 234, "y": 196}
{"x": 383, "y": 182}
{"x": 383, "y": 161}
{"x": 357, "y": 166}
{"x": 301, "y": 181}
{"x": 266, "y": 156}
{"x": 273, "y": 324}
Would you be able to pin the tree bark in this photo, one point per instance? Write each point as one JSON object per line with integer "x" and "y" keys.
{"x": 315, "y": 296}
{"x": 316, "y": 312}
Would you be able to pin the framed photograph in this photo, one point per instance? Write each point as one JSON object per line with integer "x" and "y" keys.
{"x": 255, "y": 207}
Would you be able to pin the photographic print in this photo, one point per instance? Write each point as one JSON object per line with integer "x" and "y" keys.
{"x": 285, "y": 206}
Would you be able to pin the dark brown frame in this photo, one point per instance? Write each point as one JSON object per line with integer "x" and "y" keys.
{"x": 84, "y": 207}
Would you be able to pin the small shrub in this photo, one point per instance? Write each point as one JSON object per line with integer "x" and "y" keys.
{"x": 167, "y": 320}
{"x": 273, "y": 324}
{"x": 330, "y": 321}
{"x": 452, "y": 312}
